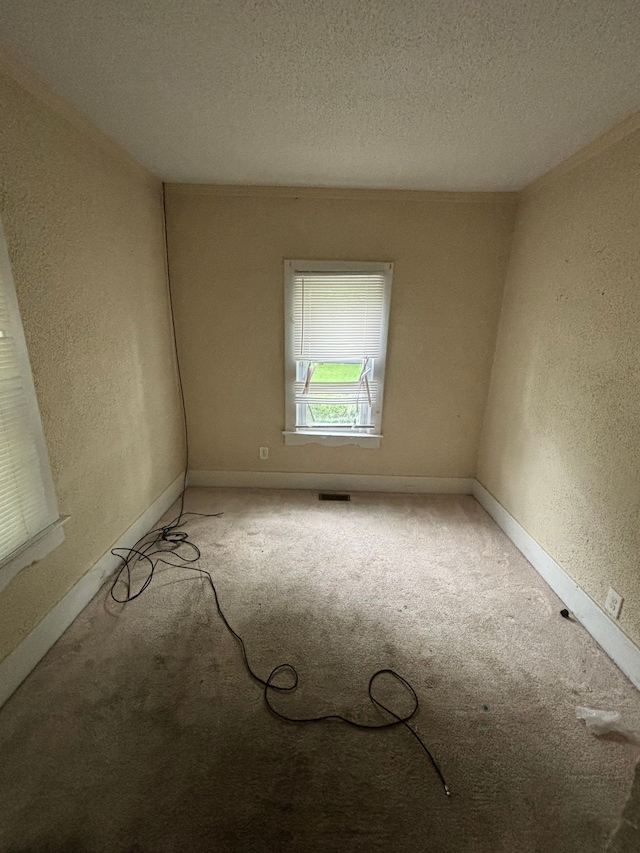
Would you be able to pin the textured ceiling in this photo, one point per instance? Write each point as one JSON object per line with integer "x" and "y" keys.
{"x": 425, "y": 94}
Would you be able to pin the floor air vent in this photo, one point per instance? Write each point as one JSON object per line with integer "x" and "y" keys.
{"x": 334, "y": 496}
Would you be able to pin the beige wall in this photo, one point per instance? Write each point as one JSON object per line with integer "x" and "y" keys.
{"x": 84, "y": 230}
{"x": 226, "y": 260}
{"x": 561, "y": 441}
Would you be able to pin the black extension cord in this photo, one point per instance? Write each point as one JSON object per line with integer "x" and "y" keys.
{"x": 169, "y": 539}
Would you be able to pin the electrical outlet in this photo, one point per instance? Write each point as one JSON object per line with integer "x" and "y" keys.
{"x": 264, "y": 453}
{"x": 613, "y": 602}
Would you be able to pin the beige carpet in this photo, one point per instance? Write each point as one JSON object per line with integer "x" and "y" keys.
{"x": 141, "y": 731}
{"x": 626, "y": 836}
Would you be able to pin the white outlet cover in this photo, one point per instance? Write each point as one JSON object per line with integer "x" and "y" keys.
{"x": 264, "y": 453}
{"x": 613, "y": 602}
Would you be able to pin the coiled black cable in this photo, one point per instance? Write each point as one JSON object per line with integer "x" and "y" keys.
{"x": 170, "y": 538}
{"x": 163, "y": 543}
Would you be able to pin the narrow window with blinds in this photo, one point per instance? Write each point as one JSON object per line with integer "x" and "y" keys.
{"x": 29, "y": 523}
{"x": 336, "y": 320}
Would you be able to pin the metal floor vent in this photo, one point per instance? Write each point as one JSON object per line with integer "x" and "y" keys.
{"x": 334, "y": 496}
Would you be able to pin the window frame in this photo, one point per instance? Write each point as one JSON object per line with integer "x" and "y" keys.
{"x": 336, "y": 436}
{"x": 37, "y": 546}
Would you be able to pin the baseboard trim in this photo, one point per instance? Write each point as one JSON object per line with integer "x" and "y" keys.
{"x": 332, "y": 482}
{"x": 19, "y": 663}
{"x": 22, "y": 660}
{"x": 622, "y": 651}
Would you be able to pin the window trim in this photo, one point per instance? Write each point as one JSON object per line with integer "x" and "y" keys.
{"x": 42, "y": 543}
{"x": 36, "y": 548}
{"x": 331, "y": 437}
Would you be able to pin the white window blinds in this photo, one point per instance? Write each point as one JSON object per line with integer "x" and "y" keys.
{"x": 27, "y": 505}
{"x": 336, "y": 320}
{"x": 338, "y": 316}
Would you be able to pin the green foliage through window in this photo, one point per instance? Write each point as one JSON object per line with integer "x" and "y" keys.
{"x": 331, "y": 371}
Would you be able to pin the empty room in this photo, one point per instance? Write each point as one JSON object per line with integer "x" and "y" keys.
{"x": 320, "y": 426}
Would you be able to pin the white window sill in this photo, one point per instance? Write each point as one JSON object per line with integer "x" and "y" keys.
{"x": 331, "y": 439}
{"x": 32, "y": 551}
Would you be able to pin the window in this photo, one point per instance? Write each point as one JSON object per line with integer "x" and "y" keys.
{"x": 29, "y": 523}
{"x": 336, "y": 318}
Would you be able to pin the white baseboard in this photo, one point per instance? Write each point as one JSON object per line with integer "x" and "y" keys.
{"x": 622, "y": 651}
{"x": 332, "y": 482}
{"x": 19, "y": 663}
